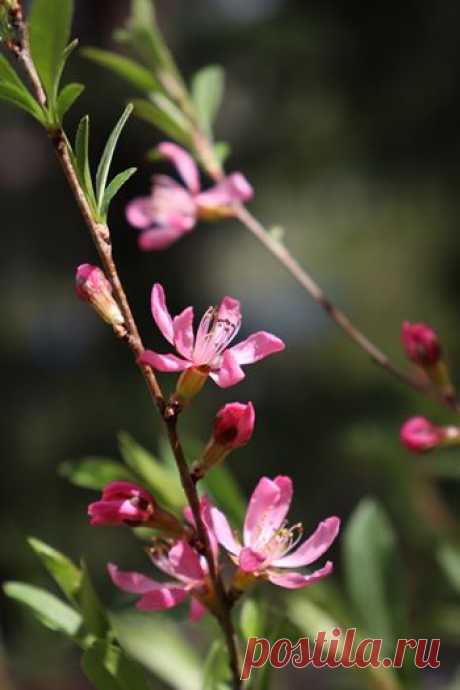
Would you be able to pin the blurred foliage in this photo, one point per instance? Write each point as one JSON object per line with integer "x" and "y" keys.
{"x": 344, "y": 117}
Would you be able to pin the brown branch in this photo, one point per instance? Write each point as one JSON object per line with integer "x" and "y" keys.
{"x": 100, "y": 234}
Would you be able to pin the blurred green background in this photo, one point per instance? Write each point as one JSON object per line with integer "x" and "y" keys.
{"x": 344, "y": 116}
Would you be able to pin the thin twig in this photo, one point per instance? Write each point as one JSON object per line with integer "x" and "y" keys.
{"x": 101, "y": 236}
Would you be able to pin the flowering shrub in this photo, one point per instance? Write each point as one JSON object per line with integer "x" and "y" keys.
{"x": 188, "y": 524}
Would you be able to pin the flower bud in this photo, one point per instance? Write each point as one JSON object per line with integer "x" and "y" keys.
{"x": 124, "y": 503}
{"x": 233, "y": 428}
{"x": 419, "y": 435}
{"x": 421, "y": 344}
{"x": 92, "y": 286}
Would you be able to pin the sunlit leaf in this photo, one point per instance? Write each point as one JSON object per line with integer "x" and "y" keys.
{"x": 95, "y": 473}
{"x": 61, "y": 568}
{"x": 107, "y": 155}
{"x": 164, "y": 115}
{"x": 82, "y": 159}
{"x": 47, "y": 608}
{"x": 114, "y": 187}
{"x": 67, "y": 98}
{"x": 21, "y": 98}
{"x": 130, "y": 70}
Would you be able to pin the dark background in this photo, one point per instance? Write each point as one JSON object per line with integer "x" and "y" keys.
{"x": 344, "y": 116}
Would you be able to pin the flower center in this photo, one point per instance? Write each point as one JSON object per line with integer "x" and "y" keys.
{"x": 283, "y": 541}
{"x": 213, "y": 337}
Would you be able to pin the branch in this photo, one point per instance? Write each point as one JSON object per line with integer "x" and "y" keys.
{"x": 102, "y": 239}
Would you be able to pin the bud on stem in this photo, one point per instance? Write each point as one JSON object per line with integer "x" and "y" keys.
{"x": 419, "y": 435}
{"x": 92, "y": 286}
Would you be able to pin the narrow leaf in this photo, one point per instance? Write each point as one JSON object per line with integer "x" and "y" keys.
{"x": 114, "y": 187}
{"x": 8, "y": 74}
{"x": 82, "y": 158}
{"x": 67, "y": 98}
{"x": 130, "y": 70}
{"x": 164, "y": 115}
{"x": 61, "y": 568}
{"x": 207, "y": 93}
{"x": 108, "y": 667}
{"x": 93, "y": 612}
{"x": 95, "y": 473}
{"x": 49, "y": 31}
{"x": 20, "y": 97}
{"x": 107, "y": 155}
{"x": 164, "y": 483}
{"x": 48, "y": 609}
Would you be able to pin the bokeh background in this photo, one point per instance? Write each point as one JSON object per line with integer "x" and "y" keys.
{"x": 344, "y": 116}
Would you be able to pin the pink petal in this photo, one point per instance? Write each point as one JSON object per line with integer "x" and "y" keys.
{"x": 169, "y": 362}
{"x": 250, "y": 561}
{"x": 229, "y": 372}
{"x": 256, "y": 347}
{"x": 183, "y": 332}
{"x": 230, "y": 191}
{"x": 158, "y": 238}
{"x": 224, "y": 532}
{"x": 139, "y": 213}
{"x": 314, "y": 547}
{"x": 162, "y": 599}
{"x": 132, "y": 582}
{"x": 184, "y": 163}
{"x": 297, "y": 580}
{"x": 205, "y": 512}
{"x": 197, "y": 610}
{"x": 185, "y": 562}
{"x": 230, "y": 310}
{"x": 267, "y": 509}
{"x": 160, "y": 312}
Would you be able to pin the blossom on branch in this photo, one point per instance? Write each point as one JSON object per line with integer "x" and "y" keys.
{"x": 421, "y": 343}
{"x": 206, "y": 353}
{"x": 172, "y": 210}
{"x": 92, "y": 286}
{"x": 419, "y": 435}
{"x": 269, "y": 546}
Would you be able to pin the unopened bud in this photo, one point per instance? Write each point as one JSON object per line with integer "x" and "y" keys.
{"x": 92, "y": 286}
{"x": 421, "y": 344}
{"x": 419, "y": 435}
{"x": 233, "y": 428}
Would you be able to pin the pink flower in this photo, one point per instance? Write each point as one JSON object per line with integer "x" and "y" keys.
{"x": 172, "y": 210}
{"x": 188, "y": 568}
{"x": 421, "y": 343}
{"x": 122, "y": 503}
{"x": 419, "y": 435}
{"x": 92, "y": 286}
{"x": 234, "y": 425}
{"x": 268, "y": 545}
{"x": 207, "y": 352}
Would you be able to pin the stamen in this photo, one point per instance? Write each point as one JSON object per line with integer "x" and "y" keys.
{"x": 213, "y": 337}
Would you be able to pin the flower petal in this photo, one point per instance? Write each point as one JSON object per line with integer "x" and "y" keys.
{"x": 250, "y": 561}
{"x": 257, "y": 346}
{"x": 158, "y": 238}
{"x": 205, "y": 511}
{"x": 132, "y": 582}
{"x": 267, "y": 509}
{"x": 162, "y": 599}
{"x": 183, "y": 332}
{"x": 184, "y": 163}
{"x": 230, "y": 191}
{"x": 197, "y": 610}
{"x": 160, "y": 312}
{"x": 224, "y": 532}
{"x": 138, "y": 212}
{"x": 229, "y": 372}
{"x": 314, "y": 547}
{"x": 297, "y": 580}
{"x": 185, "y": 562}
{"x": 169, "y": 362}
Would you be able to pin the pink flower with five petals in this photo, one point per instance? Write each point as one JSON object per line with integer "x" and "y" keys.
{"x": 269, "y": 547}
{"x": 208, "y": 351}
{"x": 172, "y": 210}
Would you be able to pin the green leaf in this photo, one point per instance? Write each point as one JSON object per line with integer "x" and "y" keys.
{"x": 95, "y": 473}
{"x": 216, "y": 671}
{"x": 164, "y": 483}
{"x": 207, "y": 93}
{"x": 448, "y": 557}
{"x": 252, "y": 619}
{"x": 156, "y": 643}
{"x": 82, "y": 159}
{"x": 374, "y": 575}
{"x": 163, "y": 114}
{"x": 134, "y": 73}
{"x": 226, "y": 493}
{"x": 61, "y": 568}
{"x": 222, "y": 150}
{"x": 107, "y": 155}
{"x": 67, "y": 98}
{"x": 94, "y": 615}
{"x": 108, "y": 668}
{"x": 114, "y": 187}
{"x": 48, "y": 609}
{"x": 8, "y": 74}
{"x": 49, "y": 31}
{"x": 21, "y": 98}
